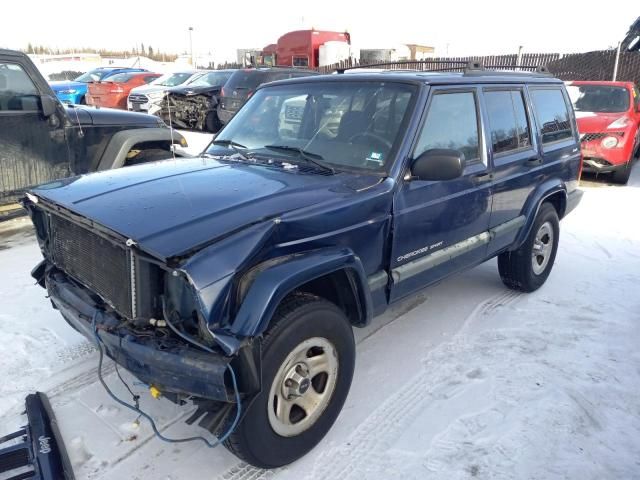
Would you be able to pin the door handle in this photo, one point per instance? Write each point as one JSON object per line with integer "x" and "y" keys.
{"x": 532, "y": 162}
{"x": 482, "y": 177}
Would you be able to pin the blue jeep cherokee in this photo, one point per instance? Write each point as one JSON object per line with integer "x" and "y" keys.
{"x": 234, "y": 279}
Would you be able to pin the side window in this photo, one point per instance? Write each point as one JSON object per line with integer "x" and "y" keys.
{"x": 301, "y": 61}
{"x": 507, "y": 120}
{"x": 552, "y": 114}
{"x": 452, "y": 122}
{"x": 17, "y": 91}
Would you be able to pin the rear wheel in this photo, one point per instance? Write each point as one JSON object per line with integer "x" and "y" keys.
{"x": 212, "y": 123}
{"x": 528, "y": 267}
{"x": 307, "y": 366}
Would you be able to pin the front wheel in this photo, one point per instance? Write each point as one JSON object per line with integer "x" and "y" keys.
{"x": 307, "y": 366}
{"x": 622, "y": 175}
{"x": 528, "y": 267}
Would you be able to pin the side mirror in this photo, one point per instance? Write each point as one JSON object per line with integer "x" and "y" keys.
{"x": 438, "y": 164}
{"x": 49, "y": 105}
{"x": 634, "y": 44}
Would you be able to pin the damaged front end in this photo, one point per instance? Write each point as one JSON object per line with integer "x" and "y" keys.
{"x": 191, "y": 111}
{"x": 102, "y": 282}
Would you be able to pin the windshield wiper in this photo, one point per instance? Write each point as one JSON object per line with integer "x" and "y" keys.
{"x": 234, "y": 145}
{"x": 309, "y": 157}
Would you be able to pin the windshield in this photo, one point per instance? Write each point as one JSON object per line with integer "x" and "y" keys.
{"x": 211, "y": 79}
{"x": 172, "y": 79}
{"x": 346, "y": 125}
{"x": 92, "y": 76}
{"x": 246, "y": 79}
{"x": 598, "y": 98}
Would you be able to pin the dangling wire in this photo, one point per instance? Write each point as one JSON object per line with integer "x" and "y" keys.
{"x": 141, "y": 413}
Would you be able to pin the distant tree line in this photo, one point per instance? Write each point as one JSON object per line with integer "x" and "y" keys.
{"x": 150, "y": 52}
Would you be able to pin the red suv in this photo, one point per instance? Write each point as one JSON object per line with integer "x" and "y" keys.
{"x": 608, "y": 115}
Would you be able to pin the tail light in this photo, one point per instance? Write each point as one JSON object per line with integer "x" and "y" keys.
{"x": 222, "y": 92}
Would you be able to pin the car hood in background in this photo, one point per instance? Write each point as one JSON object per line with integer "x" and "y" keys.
{"x": 175, "y": 206}
{"x": 590, "y": 122}
{"x": 109, "y": 116}
{"x": 144, "y": 89}
{"x": 189, "y": 91}
{"x": 58, "y": 86}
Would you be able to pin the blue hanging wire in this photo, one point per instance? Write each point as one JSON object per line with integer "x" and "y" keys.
{"x": 141, "y": 413}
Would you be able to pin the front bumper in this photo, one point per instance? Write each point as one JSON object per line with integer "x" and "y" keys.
{"x": 70, "y": 98}
{"x": 169, "y": 365}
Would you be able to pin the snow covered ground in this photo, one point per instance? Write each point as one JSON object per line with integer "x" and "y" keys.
{"x": 465, "y": 379}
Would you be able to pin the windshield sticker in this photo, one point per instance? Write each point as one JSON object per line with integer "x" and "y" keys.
{"x": 375, "y": 157}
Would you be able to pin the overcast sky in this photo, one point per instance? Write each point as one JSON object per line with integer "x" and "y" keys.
{"x": 463, "y": 27}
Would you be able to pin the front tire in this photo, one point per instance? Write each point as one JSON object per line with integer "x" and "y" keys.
{"x": 621, "y": 176}
{"x": 528, "y": 267}
{"x": 307, "y": 366}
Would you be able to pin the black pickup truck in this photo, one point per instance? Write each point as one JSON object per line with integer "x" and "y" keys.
{"x": 42, "y": 140}
{"x": 235, "y": 279}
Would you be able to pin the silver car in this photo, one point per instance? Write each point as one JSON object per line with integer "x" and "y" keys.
{"x": 146, "y": 98}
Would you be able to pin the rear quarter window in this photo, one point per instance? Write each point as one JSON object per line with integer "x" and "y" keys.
{"x": 552, "y": 114}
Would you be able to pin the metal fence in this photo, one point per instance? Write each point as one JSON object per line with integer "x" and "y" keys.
{"x": 598, "y": 65}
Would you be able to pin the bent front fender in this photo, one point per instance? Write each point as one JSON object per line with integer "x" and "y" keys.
{"x": 275, "y": 282}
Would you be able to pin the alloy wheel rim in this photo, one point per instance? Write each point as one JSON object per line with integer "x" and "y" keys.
{"x": 542, "y": 248}
{"x": 302, "y": 387}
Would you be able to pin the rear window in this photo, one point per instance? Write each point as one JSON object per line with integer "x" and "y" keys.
{"x": 92, "y": 76}
{"x": 119, "y": 78}
{"x": 552, "y": 114}
{"x": 599, "y": 98}
{"x": 246, "y": 80}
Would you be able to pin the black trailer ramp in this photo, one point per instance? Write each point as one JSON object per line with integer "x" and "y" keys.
{"x": 36, "y": 450}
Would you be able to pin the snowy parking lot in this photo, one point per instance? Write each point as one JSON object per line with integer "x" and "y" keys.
{"x": 463, "y": 380}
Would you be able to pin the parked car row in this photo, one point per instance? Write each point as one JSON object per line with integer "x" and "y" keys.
{"x": 608, "y": 115}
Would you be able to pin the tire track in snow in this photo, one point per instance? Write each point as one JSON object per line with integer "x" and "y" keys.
{"x": 244, "y": 471}
{"x": 365, "y": 447}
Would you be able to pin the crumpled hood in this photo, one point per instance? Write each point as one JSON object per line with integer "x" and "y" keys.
{"x": 57, "y": 86}
{"x": 174, "y": 206}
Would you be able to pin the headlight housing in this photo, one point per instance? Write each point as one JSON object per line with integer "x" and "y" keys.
{"x": 609, "y": 142}
{"x": 622, "y": 122}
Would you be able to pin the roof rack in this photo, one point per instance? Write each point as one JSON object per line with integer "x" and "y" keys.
{"x": 471, "y": 68}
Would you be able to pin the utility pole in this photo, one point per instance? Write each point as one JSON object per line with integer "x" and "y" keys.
{"x": 615, "y": 66}
{"x": 191, "y": 46}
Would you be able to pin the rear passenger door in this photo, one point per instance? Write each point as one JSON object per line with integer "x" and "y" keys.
{"x": 514, "y": 156}
{"x": 440, "y": 227}
{"x": 532, "y": 142}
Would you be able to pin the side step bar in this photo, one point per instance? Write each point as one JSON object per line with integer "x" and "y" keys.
{"x": 39, "y": 453}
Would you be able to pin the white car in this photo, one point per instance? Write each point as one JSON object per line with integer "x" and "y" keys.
{"x": 146, "y": 98}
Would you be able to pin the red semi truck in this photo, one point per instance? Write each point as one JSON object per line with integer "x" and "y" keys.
{"x": 302, "y": 48}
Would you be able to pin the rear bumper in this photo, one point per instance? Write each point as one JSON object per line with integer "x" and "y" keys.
{"x": 170, "y": 365}
{"x": 573, "y": 199}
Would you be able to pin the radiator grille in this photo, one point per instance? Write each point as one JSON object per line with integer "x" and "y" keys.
{"x": 97, "y": 263}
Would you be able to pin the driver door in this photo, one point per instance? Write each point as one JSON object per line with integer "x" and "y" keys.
{"x": 34, "y": 148}
{"x": 440, "y": 226}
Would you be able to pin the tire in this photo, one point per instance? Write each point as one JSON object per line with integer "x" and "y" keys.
{"x": 621, "y": 177}
{"x": 520, "y": 269}
{"x": 212, "y": 123}
{"x": 300, "y": 323}
{"x": 148, "y": 155}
